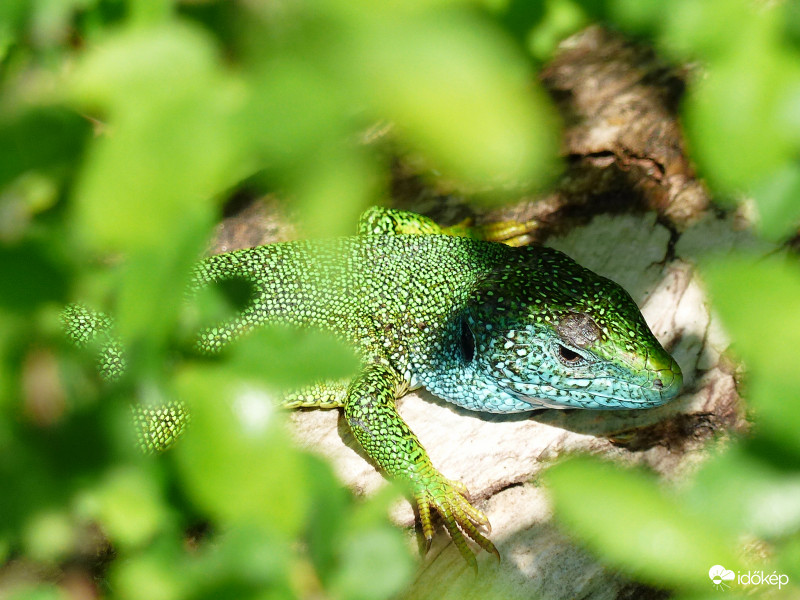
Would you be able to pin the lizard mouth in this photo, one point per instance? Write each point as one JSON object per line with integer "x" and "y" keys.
{"x": 607, "y": 392}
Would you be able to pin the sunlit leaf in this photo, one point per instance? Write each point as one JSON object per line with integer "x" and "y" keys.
{"x": 167, "y": 144}
{"x": 626, "y": 519}
{"x": 755, "y": 300}
{"x": 50, "y": 536}
{"x": 289, "y": 357}
{"x": 148, "y": 577}
{"x": 374, "y": 559}
{"x": 733, "y": 117}
{"x": 778, "y": 200}
{"x": 129, "y": 506}
{"x": 236, "y": 460}
{"x": 481, "y": 120}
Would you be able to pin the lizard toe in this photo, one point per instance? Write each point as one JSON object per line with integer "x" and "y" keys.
{"x": 459, "y": 517}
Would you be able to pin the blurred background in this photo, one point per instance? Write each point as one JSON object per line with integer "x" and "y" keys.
{"x": 130, "y": 129}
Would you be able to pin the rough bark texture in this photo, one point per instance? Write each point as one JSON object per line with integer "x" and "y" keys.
{"x": 629, "y": 207}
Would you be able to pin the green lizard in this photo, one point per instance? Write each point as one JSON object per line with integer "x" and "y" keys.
{"x": 480, "y": 324}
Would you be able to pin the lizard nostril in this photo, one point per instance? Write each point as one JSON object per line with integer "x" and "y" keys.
{"x": 658, "y": 384}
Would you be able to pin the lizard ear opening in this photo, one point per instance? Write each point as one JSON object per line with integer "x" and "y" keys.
{"x": 466, "y": 342}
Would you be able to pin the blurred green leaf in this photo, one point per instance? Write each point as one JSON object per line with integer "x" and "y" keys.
{"x": 754, "y": 299}
{"x": 40, "y": 592}
{"x": 143, "y": 115}
{"x": 739, "y": 492}
{"x": 51, "y": 21}
{"x": 236, "y": 460}
{"x": 640, "y": 17}
{"x": 562, "y": 18}
{"x": 734, "y": 116}
{"x": 249, "y": 553}
{"x": 168, "y": 142}
{"x": 151, "y": 288}
{"x": 626, "y": 518}
{"x": 31, "y": 276}
{"x": 326, "y": 525}
{"x": 45, "y": 465}
{"x": 40, "y": 138}
{"x": 480, "y": 120}
{"x": 518, "y": 17}
{"x": 49, "y": 536}
{"x": 129, "y": 506}
{"x": 789, "y": 559}
{"x": 778, "y": 199}
{"x": 375, "y": 564}
{"x": 374, "y": 560}
{"x": 5, "y": 548}
{"x": 342, "y": 186}
{"x": 149, "y": 12}
{"x": 703, "y": 29}
{"x": 12, "y": 12}
{"x": 169, "y": 145}
{"x": 289, "y": 357}
{"x": 295, "y": 111}
{"x": 149, "y": 577}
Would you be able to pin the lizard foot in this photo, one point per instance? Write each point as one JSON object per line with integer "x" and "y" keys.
{"x": 511, "y": 233}
{"x": 451, "y": 500}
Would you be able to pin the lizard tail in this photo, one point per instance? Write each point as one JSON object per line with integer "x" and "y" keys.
{"x": 157, "y": 427}
{"x": 85, "y": 327}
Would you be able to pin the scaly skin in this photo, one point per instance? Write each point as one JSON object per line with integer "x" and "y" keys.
{"x": 482, "y": 325}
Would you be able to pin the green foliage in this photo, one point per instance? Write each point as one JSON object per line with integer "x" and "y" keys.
{"x": 641, "y": 528}
{"x": 749, "y": 491}
{"x": 123, "y": 127}
{"x": 741, "y": 121}
{"x": 741, "y": 113}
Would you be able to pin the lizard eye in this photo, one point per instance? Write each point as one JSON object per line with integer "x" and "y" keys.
{"x": 567, "y": 356}
{"x": 467, "y": 342}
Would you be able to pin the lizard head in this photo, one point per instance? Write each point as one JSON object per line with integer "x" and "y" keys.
{"x": 542, "y": 331}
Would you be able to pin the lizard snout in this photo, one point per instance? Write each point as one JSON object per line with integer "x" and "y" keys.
{"x": 667, "y": 380}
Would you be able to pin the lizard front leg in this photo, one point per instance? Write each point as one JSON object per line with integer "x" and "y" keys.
{"x": 325, "y": 394}
{"x": 373, "y": 418}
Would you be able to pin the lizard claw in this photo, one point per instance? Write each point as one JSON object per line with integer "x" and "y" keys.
{"x": 451, "y": 500}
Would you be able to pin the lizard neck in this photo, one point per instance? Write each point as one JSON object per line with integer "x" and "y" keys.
{"x": 449, "y": 375}
{"x": 449, "y": 368}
